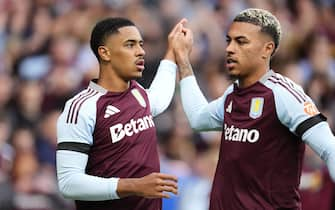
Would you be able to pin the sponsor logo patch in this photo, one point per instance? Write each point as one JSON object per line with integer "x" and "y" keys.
{"x": 232, "y": 133}
{"x": 310, "y": 109}
{"x": 134, "y": 126}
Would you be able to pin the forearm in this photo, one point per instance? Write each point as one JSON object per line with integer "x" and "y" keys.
{"x": 185, "y": 69}
{"x": 322, "y": 141}
{"x": 184, "y": 65}
{"x": 128, "y": 187}
{"x": 162, "y": 87}
{"x": 198, "y": 111}
{"x": 192, "y": 100}
{"x": 169, "y": 55}
{"x": 75, "y": 184}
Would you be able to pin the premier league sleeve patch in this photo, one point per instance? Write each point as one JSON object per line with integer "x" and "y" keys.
{"x": 256, "y": 107}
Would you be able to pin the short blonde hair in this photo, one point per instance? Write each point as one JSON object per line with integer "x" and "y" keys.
{"x": 268, "y": 22}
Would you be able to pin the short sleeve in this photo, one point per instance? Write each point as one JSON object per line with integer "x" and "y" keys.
{"x": 77, "y": 125}
{"x": 294, "y": 108}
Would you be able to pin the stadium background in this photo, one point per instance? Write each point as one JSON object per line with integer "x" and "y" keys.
{"x": 45, "y": 59}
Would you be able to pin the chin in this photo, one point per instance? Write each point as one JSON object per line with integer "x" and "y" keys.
{"x": 140, "y": 74}
{"x": 233, "y": 74}
{"x": 137, "y": 75}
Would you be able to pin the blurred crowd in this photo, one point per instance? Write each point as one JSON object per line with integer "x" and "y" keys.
{"x": 45, "y": 59}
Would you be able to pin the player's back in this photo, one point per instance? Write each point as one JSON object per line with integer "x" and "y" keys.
{"x": 260, "y": 159}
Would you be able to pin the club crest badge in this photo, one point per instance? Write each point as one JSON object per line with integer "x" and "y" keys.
{"x": 256, "y": 108}
{"x": 136, "y": 93}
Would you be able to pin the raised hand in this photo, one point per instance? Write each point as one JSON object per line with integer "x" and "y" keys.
{"x": 176, "y": 31}
{"x": 182, "y": 45}
{"x": 154, "y": 185}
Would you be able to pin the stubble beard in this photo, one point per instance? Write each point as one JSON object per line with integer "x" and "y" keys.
{"x": 234, "y": 76}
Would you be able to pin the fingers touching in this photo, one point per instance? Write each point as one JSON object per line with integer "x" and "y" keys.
{"x": 178, "y": 28}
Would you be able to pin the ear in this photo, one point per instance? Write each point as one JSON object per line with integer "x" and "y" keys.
{"x": 269, "y": 48}
{"x": 104, "y": 53}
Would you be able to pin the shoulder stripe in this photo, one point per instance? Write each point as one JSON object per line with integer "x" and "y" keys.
{"x": 74, "y": 146}
{"x": 81, "y": 103}
{"x": 87, "y": 91}
{"x": 310, "y": 122}
{"x": 299, "y": 92}
{"x": 76, "y": 104}
{"x": 290, "y": 83}
{"x": 293, "y": 91}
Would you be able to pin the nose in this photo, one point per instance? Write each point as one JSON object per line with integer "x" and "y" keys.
{"x": 230, "y": 48}
{"x": 140, "y": 51}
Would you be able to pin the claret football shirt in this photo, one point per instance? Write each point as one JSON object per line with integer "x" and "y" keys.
{"x": 118, "y": 133}
{"x": 261, "y": 150}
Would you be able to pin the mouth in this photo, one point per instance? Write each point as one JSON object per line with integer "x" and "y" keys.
{"x": 140, "y": 64}
{"x": 230, "y": 63}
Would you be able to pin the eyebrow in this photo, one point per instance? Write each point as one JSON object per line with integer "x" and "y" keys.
{"x": 134, "y": 41}
{"x": 237, "y": 37}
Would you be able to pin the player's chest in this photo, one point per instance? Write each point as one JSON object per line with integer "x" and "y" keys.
{"x": 246, "y": 117}
{"x": 246, "y": 108}
{"x": 124, "y": 118}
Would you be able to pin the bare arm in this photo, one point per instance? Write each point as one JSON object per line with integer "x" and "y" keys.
{"x": 185, "y": 69}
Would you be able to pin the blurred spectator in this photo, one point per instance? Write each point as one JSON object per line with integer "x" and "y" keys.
{"x": 34, "y": 186}
{"x": 6, "y": 161}
{"x": 46, "y": 142}
{"x": 320, "y": 90}
{"x": 317, "y": 189}
{"x": 28, "y": 103}
{"x": 6, "y": 92}
{"x": 318, "y": 58}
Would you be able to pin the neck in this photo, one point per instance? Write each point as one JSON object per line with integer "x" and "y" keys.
{"x": 252, "y": 78}
{"x": 112, "y": 82}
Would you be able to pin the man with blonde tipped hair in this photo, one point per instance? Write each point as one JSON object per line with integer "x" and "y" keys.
{"x": 266, "y": 120}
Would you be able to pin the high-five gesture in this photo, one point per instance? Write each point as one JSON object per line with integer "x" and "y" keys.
{"x": 182, "y": 43}
{"x": 173, "y": 38}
